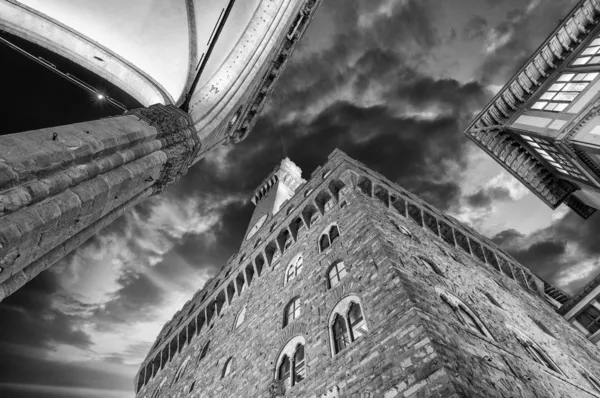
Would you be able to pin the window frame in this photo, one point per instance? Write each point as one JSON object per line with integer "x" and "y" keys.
{"x": 289, "y": 351}
{"x": 559, "y": 87}
{"x": 341, "y": 310}
{"x": 241, "y": 314}
{"x": 289, "y": 317}
{"x": 535, "y": 352}
{"x": 594, "y": 382}
{"x": 204, "y": 352}
{"x": 460, "y": 308}
{"x": 227, "y": 368}
{"x": 296, "y": 266}
{"x": 338, "y": 271}
{"x": 327, "y": 233}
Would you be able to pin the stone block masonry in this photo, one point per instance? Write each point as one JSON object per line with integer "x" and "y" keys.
{"x": 446, "y": 313}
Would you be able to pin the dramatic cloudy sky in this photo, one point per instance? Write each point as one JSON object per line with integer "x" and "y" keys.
{"x": 393, "y": 83}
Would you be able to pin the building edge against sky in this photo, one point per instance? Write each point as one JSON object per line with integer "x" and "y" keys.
{"x": 582, "y": 310}
{"x": 347, "y": 285}
{"x": 543, "y": 126}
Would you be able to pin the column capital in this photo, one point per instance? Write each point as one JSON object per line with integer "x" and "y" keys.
{"x": 179, "y": 138}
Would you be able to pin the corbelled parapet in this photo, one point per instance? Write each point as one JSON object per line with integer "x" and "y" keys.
{"x": 287, "y": 171}
{"x": 60, "y": 186}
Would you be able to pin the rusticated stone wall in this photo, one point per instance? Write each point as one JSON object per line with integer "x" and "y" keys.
{"x": 415, "y": 346}
{"x": 59, "y": 186}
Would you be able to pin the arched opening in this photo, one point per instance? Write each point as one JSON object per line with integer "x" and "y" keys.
{"x": 292, "y": 311}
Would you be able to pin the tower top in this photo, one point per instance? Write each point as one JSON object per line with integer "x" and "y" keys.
{"x": 287, "y": 171}
{"x": 273, "y": 192}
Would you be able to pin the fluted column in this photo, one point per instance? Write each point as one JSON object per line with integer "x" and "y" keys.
{"x": 60, "y": 186}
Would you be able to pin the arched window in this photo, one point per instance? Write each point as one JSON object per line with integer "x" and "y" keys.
{"x": 284, "y": 372}
{"x": 347, "y": 323}
{"x": 492, "y": 299}
{"x": 469, "y": 320}
{"x": 357, "y": 322}
{"x": 334, "y": 233}
{"x": 335, "y": 274}
{"x": 592, "y": 380}
{"x": 294, "y": 268}
{"x": 299, "y": 369}
{"x": 464, "y": 314}
{"x": 406, "y": 231}
{"x": 204, "y": 352}
{"x": 340, "y": 334}
{"x": 291, "y": 368}
{"x": 324, "y": 242}
{"x": 226, "y": 368}
{"x": 159, "y": 389}
{"x": 538, "y": 355}
{"x": 181, "y": 371}
{"x": 240, "y": 317}
{"x": 534, "y": 351}
{"x": 328, "y": 237}
{"x": 292, "y": 311}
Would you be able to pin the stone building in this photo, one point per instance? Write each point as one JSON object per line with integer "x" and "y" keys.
{"x": 543, "y": 126}
{"x": 582, "y": 310}
{"x": 59, "y": 186}
{"x": 347, "y": 285}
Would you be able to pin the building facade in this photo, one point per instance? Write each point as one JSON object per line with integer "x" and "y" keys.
{"x": 543, "y": 126}
{"x": 59, "y": 186}
{"x": 582, "y": 310}
{"x": 347, "y": 285}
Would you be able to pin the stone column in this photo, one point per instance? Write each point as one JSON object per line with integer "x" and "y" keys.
{"x": 60, "y": 186}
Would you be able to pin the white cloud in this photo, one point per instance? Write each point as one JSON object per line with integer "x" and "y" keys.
{"x": 94, "y": 276}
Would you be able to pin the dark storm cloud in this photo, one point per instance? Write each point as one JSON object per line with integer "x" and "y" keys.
{"x": 33, "y": 320}
{"x": 545, "y": 251}
{"x": 411, "y": 132}
{"x": 525, "y": 30}
{"x": 411, "y": 150}
{"x": 34, "y": 370}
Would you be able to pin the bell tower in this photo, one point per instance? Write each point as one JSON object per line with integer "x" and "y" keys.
{"x": 272, "y": 193}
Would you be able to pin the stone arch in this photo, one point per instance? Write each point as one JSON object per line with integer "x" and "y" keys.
{"x": 527, "y": 342}
{"x": 240, "y": 318}
{"x": 342, "y": 309}
{"x": 458, "y": 304}
{"x": 297, "y": 301}
{"x": 181, "y": 370}
{"x": 331, "y": 235}
{"x": 292, "y": 263}
{"x": 288, "y": 347}
{"x": 334, "y": 263}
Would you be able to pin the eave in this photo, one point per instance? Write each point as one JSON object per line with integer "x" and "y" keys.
{"x": 489, "y": 130}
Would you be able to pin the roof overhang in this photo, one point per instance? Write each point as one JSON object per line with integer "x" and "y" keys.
{"x": 489, "y": 130}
